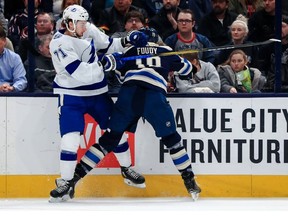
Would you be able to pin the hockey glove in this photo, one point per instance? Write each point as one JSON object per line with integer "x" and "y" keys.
{"x": 135, "y": 38}
{"x": 112, "y": 62}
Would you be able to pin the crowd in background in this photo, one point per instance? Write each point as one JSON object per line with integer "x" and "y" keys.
{"x": 200, "y": 25}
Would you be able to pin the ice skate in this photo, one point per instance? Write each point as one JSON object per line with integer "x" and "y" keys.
{"x": 63, "y": 192}
{"x": 132, "y": 178}
{"x": 191, "y": 185}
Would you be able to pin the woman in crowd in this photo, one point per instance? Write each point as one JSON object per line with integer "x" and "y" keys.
{"x": 239, "y": 31}
{"x": 237, "y": 77}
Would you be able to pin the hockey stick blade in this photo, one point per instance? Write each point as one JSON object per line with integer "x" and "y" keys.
{"x": 210, "y": 49}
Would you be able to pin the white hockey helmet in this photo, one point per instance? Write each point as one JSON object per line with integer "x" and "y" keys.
{"x": 75, "y": 13}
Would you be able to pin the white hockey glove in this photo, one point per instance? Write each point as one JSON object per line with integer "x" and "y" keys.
{"x": 135, "y": 38}
{"x": 112, "y": 62}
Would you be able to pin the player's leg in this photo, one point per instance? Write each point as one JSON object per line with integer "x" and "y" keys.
{"x": 125, "y": 119}
{"x": 123, "y": 154}
{"x": 68, "y": 158}
{"x": 96, "y": 153}
{"x": 182, "y": 162}
{"x": 162, "y": 120}
{"x": 101, "y": 113}
{"x": 71, "y": 120}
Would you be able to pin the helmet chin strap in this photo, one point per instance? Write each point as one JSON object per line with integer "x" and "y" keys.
{"x": 74, "y": 28}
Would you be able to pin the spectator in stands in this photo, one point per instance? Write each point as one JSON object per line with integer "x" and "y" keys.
{"x": 261, "y": 28}
{"x": 112, "y": 19}
{"x": 64, "y": 5}
{"x": 86, "y": 4}
{"x": 285, "y": 10}
{"x": 1, "y": 6}
{"x": 186, "y": 39}
{"x": 284, "y": 33}
{"x": 284, "y": 61}
{"x": 199, "y": 7}
{"x": 134, "y": 20}
{"x": 12, "y": 7}
{"x": 18, "y": 24}
{"x": 204, "y": 79}
{"x": 9, "y": 44}
{"x": 3, "y": 24}
{"x": 56, "y": 8}
{"x": 239, "y": 31}
{"x": 3, "y": 20}
{"x": 262, "y": 24}
{"x": 97, "y": 6}
{"x": 216, "y": 24}
{"x": 44, "y": 72}
{"x": 152, "y": 7}
{"x": 244, "y": 7}
{"x": 44, "y": 25}
{"x": 12, "y": 71}
{"x": 237, "y": 77}
{"x": 165, "y": 21}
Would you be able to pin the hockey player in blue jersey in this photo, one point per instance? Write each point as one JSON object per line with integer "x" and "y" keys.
{"x": 143, "y": 94}
{"x": 82, "y": 88}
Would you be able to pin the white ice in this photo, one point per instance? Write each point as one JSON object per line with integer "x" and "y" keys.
{"x": 133, "y": 206}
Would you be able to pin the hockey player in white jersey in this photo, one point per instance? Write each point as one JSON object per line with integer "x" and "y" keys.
{"x": 82, "y": 88}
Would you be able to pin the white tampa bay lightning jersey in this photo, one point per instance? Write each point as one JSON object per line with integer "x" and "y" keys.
{"x": 75, "y": 60}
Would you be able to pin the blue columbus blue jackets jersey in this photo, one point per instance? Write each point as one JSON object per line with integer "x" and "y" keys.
{"x": 151, "y": 72}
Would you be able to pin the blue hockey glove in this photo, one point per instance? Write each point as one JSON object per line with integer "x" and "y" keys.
{"x": 150, "y": 33}
{"x": 112, "y": 62}
{"x": 135, "y": 38}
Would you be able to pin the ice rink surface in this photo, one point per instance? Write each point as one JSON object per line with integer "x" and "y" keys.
{"x": 133, "y": 206}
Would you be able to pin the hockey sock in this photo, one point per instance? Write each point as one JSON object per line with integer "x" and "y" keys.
{"x": 180, "y": 158}
{"x": 91, "y": 158}
{"x": 122, "y": 153}
{"x": 68, "y": 162}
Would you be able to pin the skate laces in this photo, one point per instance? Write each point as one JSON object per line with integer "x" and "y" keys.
{"x": 131, "y": 173}
{"x": 62, "y": 185}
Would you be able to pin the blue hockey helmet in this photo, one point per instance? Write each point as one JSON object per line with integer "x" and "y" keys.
{"x": 151, "y": 34}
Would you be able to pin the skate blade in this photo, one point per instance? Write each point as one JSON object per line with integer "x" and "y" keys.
{"x": 130, "y": 183}
{"x": 59, "y": 199}
{"x": 194, "y": 196}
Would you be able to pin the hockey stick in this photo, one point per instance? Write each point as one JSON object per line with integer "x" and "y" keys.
{"x": 201, "y": 50}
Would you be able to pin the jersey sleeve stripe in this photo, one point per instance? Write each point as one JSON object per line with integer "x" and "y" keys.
{"x": 70, "y": 68}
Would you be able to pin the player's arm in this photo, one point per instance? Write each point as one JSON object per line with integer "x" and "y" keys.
{"x": 106, "y": 44}
{"x": 181, "y": 66}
